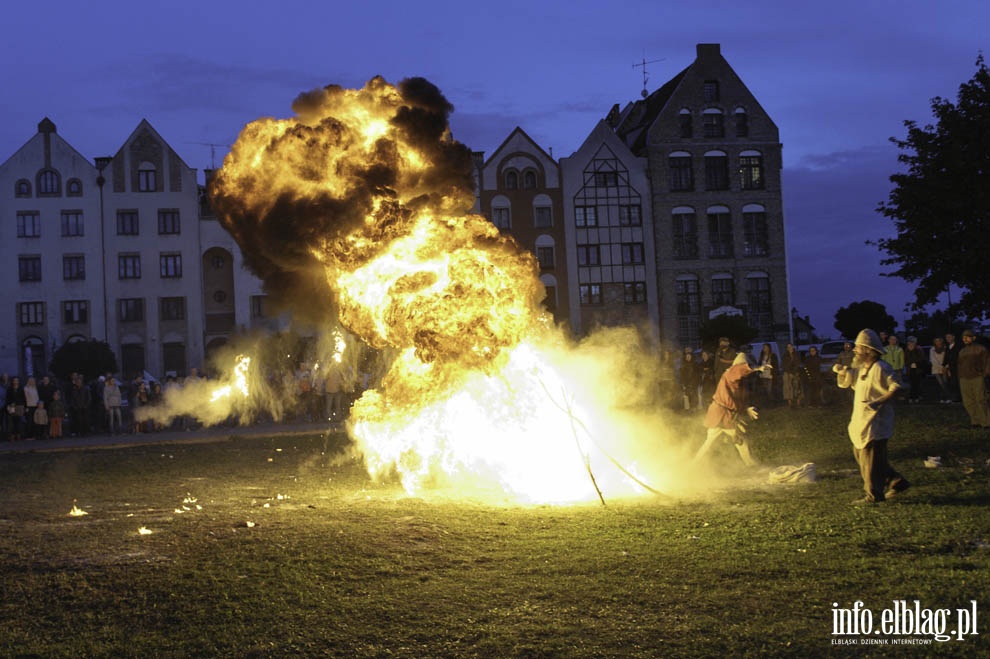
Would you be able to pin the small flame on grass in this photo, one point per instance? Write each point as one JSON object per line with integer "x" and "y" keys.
{"x": 76, "y": 511}
{"x": 144, "y": 531}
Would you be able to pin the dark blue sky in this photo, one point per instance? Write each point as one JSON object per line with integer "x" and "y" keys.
{"x": 838, "y": 78}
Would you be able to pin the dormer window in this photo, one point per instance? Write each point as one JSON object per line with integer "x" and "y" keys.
{"x": 22, "y": 188}
{"x": 711, "y": 91}
{"x": 73, "y": 188}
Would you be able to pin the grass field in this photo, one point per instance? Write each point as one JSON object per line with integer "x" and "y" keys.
{"x": 273, "y": 547}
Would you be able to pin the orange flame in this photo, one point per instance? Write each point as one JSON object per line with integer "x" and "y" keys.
{"x": 368, "y": 188}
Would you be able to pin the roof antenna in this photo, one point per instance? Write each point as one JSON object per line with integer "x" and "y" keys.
{"x": 646, "y": 78}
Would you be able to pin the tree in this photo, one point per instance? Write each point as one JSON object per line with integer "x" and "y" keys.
{"x": 927, "y": 326}
{"x": 861, "y": 315}
{"x": 735, "y": 328}
{"x": 91, "y": 358}
{"x": 941, "y": 205}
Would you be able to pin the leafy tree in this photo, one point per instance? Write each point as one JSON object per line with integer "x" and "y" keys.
{"x": 735, "y": 328}
{"x": 91, "y": 358}
{"x": 941, "y": 205}
{"x": 860, "y": 315}
{"x": 928, "y": 326}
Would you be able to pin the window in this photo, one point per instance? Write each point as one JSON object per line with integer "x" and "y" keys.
{"x": 713, "y": 123}
{"x": 29, "y": 268}
{"x": 147, "y": 179}
{"x": 73, "y": 188}
{"x": 685, "y": 234}
{"x": 529, "y": 179}
{"x": 589, "y": 255}
{"x": 686, "y": 129}
{"x": 586, "y": 216}
{"x": 542, "y": 217}
{"x": 742, "y": 123}
{"x": 258, "y": 306}
{"x": 127, "y": 223}
{"x": 681, "y": 172}
{"x": 719, "y": 233}
{"x": 75, "y": 312}
{"x": 129, "y": 266}
{"x": 219, "y": 297}
{"x": 545, "y": 257}
{"x": 173, "y": 308}
{"x": 606, "y": 179}
{"x": 501, "y": 218}
{"x": 751, "y": 170}
{"x": 755, "y": 238}
{"x": 590, "y": 293}
{"x": 48, "y": 182}
{"x": 170, "y": 266}
{"x": 72, "y": 223}
{"x": 73, "y": 267}
{"x": 550, "y": 301}
{"x": 716, "y": 171}
{"x": 710, "y": 91}
{"x": 130, "y": 310}
{"x": 22, "y": 188}
{"x": 634, "y": 292}
{"x": 688, "y": 296}
{"x": 28, "y": 224}
{"x": 631, "y": 215}
{"x": 632, "y": 253}
{"x": 723, "y": 291}
{"x": 168, "y": 221}
{"x": 511, "y": 180}
{"x": 31, "y": 313}
{"x": 218, "y": 261}
{"x": 758, "y": 306}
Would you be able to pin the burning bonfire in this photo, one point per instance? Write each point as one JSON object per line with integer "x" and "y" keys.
{"x": 356, "y": 212}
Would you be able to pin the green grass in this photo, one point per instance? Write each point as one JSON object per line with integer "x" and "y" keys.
{"x": 338, "y": 566}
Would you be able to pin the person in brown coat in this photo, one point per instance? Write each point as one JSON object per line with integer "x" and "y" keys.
{"x": 728, "y": 411}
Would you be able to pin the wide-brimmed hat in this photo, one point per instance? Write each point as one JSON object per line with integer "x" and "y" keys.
{"x": 870, "y": 339}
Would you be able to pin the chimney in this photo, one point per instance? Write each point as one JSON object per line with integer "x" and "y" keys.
{"x": 706, "y": 50}
{"x": 46, "y": 125}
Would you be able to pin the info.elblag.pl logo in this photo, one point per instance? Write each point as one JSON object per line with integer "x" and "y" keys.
{"x": 902, "y": 624}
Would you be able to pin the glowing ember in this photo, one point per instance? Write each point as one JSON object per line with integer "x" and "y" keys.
{"x": 362, "y": 198}
{"x": 76, "y": 512}
{"x": 144, "y": 531}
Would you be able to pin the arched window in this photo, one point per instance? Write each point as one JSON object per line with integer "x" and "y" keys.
{"x": 751, "y": 170}
{"x": 73, "y": 187}
{"x": 545, "y": 252}
{"x": 542, "y": 211}
{"x": 684, "y": 233}
{"x": 550, "y": 285}
{"x": 22, "y": 188}
{"x": 49, "y": 182}
{"x": 759, "y": 308}
{"x": 756, "y": 237}
{"x": 688, "y": 296}
{"x": 680, "y": 171}
{"x": 529, "y": 179}
{"x": 713, "y": 122}
{"x": 720, "y": 242}
{"x": 512, "y": 180}
{"x": 502, "y": 212}
{"x": 716, "y": 170}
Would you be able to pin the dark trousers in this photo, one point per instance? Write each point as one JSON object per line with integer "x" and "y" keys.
{"x": 877, "y": 473}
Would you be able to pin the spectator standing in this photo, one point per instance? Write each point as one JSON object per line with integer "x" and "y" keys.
{"x": 792, "y": 375}
{"x": 111, "y": 405}
{"x": 936, "y": 357}
{"x": 30, "y": 405}
{"x": 914, "y": 365}
{"x": 56, "y": 412}
{"x": 15, "y": 402}
{"x": 812, "y": 372}
{"x": 974, "y": 368}
{"x": 690, "y": 377}
{"x": 708, "y": 381}
{"x": 893, "y": 354}
{"x": 724, "y": 356}
{"x": 952, "y": 349}
{"x": 79, "y": 403}
{"x": 770, "y": 375}
{"x": 40, "y": 420}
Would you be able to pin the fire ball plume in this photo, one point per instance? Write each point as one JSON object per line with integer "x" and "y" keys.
{"x": 358, "y": 208}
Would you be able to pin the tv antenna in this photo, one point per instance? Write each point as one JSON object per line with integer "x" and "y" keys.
{"x": 213, "y": 151}
{"x": 642, "y": 64}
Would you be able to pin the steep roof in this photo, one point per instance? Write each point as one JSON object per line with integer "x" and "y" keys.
{"x": 635, "y": 120}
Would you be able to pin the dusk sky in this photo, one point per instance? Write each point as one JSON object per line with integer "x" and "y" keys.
{"x": 838, "y": 79}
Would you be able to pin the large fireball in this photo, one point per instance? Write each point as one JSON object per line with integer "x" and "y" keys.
{"x": 357, "y": 208}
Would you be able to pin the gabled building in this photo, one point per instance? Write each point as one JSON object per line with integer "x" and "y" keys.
{"x": 714, "y": 157}
{"x": 123, "y": 251}
{"x": 609, "y": 235}
{"x": 519, "y": 190}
